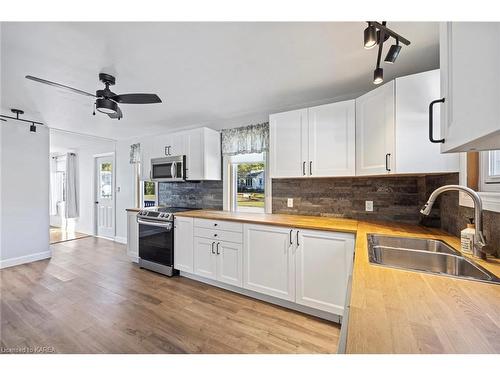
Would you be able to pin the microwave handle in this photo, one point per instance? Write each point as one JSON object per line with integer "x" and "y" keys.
{"x": 173, "y": 170}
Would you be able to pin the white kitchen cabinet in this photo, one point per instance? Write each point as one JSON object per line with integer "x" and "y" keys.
{"x": 205, "y": 258}
{"x": 269, "y": 262}
{"x": 183, "y": 244}
{"x": 392, "y": 128}
{"x": 169, "y": 145}
{"x": 203, "y": 154}
{"x": 375, "y": 131}
{"x": 470, "y": 81}
{"x": 229, "y": 262}
{"x": 313, "y": 142}
{"x": 332, "y": 139}
{"x": 146, "y": 150}
{"x": 132, "y": 236}
{"x": 288, "y": 132}
{"x": 323, "y": 261}
{"x": 414, "y": 152}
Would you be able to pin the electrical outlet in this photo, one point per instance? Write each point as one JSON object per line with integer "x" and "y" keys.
{"x": 369, "y": 206}
{"x": 289, "y": 202}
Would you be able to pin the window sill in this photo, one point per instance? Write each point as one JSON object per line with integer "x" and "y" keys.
{"x": 491, "y": 201}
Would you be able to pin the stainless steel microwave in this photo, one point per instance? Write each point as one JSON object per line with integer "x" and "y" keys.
{"x": 169, "y": 169}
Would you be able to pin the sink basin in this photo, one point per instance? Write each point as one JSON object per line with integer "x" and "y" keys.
{"x": 425, "y": 255}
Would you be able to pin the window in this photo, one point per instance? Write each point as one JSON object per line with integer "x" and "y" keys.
{"x": 247, "y": 176}
{"x": 105, "y": 181}
{"x": 490, "y": 171}
{"x": 149, "y": 196}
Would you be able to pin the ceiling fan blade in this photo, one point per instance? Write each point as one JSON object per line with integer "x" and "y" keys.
{"x": 136, "y": 98}
{"x": 117, "y": 115}
{"x": 50, "y": 83}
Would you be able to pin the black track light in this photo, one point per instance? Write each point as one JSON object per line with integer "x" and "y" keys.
{"x": 393, "y": 53}
{"x": 378, "y": 76}
{"x": 370, "y": 36}
{"x": 33, "y": 128}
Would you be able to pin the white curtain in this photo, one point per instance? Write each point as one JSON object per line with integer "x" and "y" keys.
{"x": 53, "y": 196}
{"x": 71, "y": 186}
{"x": 251, "y": 139}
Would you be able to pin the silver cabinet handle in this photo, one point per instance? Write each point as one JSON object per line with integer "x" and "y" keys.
{"x": 218, "y": 243}
{"x": 213, "y": 243}
{"x": 310, "y": 168}
{"x": 297, "y": 234}
{"x": 304, "y": 168}
{"x": 291, "y": 242}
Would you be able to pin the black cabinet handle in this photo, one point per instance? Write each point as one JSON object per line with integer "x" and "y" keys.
{"x": 304, "y": 168}
{"x": 217, "y": 247}
{"x": 297, "y": 238}
{"x": 291, "y": 230}
{"x": 387, "y": 167}
{"x": 431, "y": 125}
{"x": 213, "y": 243}
{"x": 311, "y": 168}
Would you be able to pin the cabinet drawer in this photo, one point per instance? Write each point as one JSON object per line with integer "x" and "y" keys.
{"x": 219, "y": 235}
{"x": 219, "y": 224}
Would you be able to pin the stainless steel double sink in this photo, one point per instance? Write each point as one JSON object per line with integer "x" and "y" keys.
{"x": 425, "y": 255}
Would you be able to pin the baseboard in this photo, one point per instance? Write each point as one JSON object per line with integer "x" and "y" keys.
{"x": 122, "y": 240}
{"x": 25, "y": 259}
{"x": 275, "y": 301}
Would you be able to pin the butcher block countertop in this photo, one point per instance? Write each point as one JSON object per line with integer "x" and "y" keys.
{"x": 397, "y": 311}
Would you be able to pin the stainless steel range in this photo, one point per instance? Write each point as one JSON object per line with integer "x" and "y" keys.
{"x": 156, "y": 239}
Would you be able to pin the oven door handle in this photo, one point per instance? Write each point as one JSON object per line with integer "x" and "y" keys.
{"x": 154, "y": 224}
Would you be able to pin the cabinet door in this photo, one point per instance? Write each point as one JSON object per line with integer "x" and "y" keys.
{"x": 146, "y": 150}
{"x": 132, "y": 236}
{"x": 332, "y": 140}
{"x": 183, "y": 244}
{"x": 230, "y": 263}
{"x": 415, "y": 153}
{"x": 323, "y": 261}
{"x": 375, "y": 131}
{"x": 205, "y": 259}
{"x": 268, "y": 260}
{"x": 169, "y": 145}
{"x": 288, "y": 144}
{"x": 470, "y": 81}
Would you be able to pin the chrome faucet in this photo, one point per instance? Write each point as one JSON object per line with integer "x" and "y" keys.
{"x": 479, "y": 241}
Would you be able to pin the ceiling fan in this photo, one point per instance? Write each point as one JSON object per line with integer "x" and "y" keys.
{"x": 106, "y": 100}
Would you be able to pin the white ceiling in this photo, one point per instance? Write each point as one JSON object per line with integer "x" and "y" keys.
{"x": 215, "y": 74}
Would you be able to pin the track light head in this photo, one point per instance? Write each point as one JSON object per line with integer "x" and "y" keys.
{"x": 370, "y": 35}
{"x": 378, "y": 76}
{"x": 393, "y": 53}
{"x": 33, "y": 128}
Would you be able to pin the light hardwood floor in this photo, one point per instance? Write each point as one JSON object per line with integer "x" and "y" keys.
{"x": 89, "y": 298}
{"x": 61, "y": 235}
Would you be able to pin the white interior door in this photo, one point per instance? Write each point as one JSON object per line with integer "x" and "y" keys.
{"x": 105, "y": 197}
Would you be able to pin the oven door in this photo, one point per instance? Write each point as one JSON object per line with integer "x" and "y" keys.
{"x": 156, "y": 242}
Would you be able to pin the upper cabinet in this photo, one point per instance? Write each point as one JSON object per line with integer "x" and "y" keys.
{"x": 313, "y": 142}
{"x": 470, "y": 82}
{"x": 201, "y": 146}
{"x": 375, "y": 131}
{"x": 392, "y": 133}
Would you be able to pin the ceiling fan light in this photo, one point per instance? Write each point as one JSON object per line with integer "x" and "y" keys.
{"x": 106, "y": 106}
{"x": 378, "y": 76}
{"x": 393, "y": 53}
{"x": 370, "y": 35}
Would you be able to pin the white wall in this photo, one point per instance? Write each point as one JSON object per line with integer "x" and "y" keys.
{"x": 24, "y": 194}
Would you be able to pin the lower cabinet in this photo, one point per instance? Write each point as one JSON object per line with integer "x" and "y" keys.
{"x": 132, "y": 236}
{"x": 183, "y": 244}
{"x": 218, "y": 260}
{"x": 269, "y": 260}
{"x": 308, "y": 267}
{"x": 322, "y": 264}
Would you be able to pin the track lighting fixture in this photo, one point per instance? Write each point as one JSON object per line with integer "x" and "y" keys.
{"x": 377, "y": 34}
{"x": 378, "y": 76}
{"x": 370, "y": 36}
{"x": 19, "y": 112}
{"x": 393, "y": 53}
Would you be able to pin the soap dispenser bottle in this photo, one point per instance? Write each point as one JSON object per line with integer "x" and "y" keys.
{"x": 467, "y": 237}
